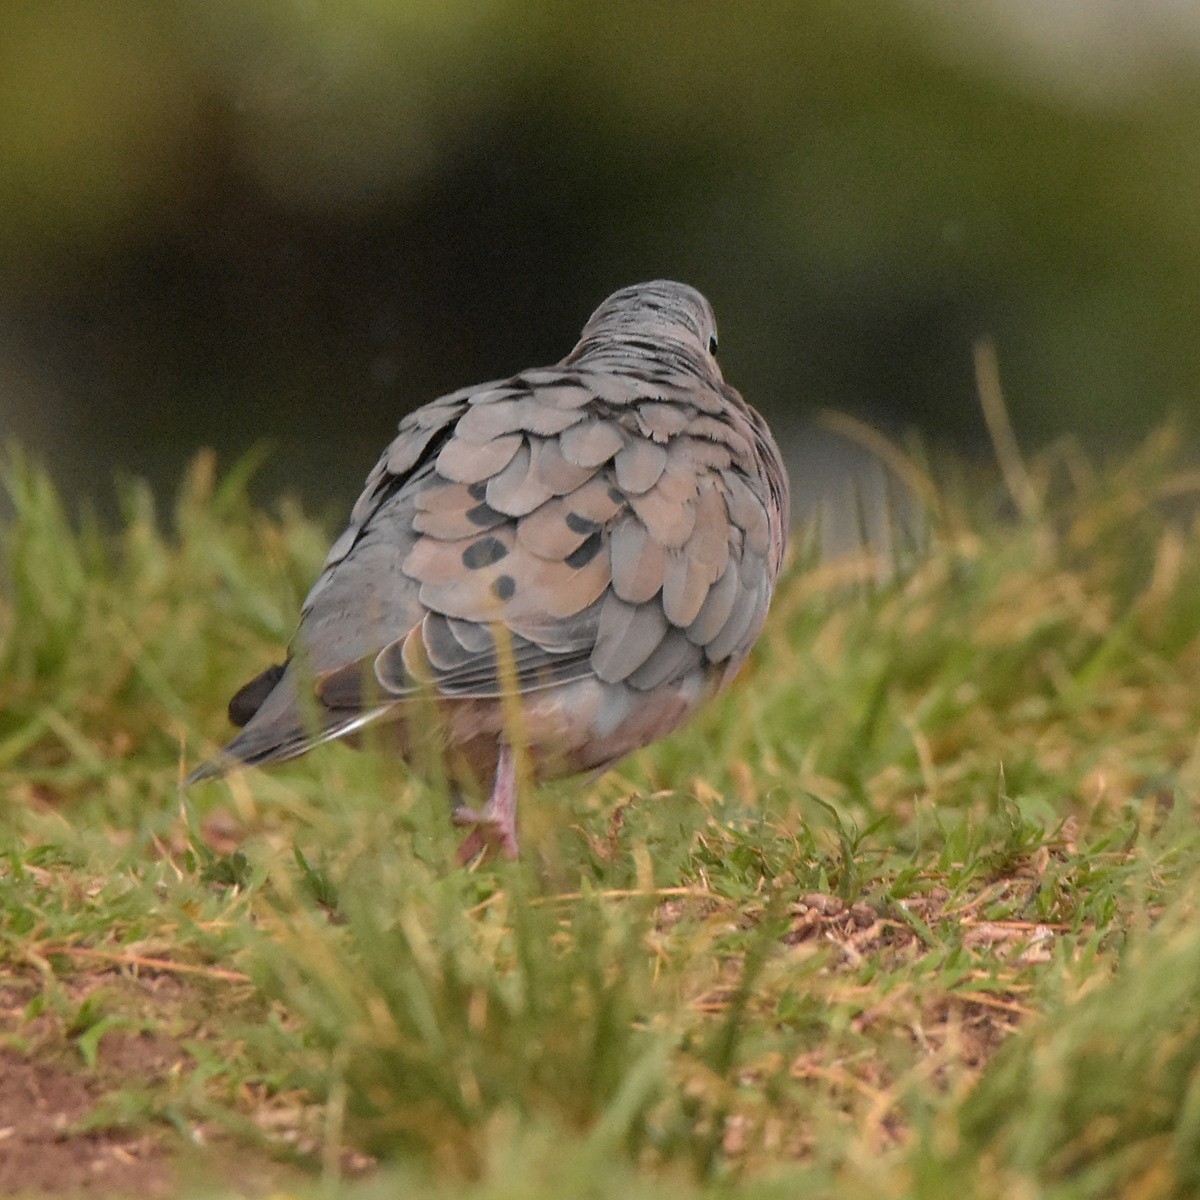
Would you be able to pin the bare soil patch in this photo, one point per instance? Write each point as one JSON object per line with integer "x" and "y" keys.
{"x": 42, "y": 1151}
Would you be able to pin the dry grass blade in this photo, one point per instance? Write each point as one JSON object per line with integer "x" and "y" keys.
{"x": 147, "y": 963}
{"x": 903, "y": 466}
{"x": 1004, "y": 441}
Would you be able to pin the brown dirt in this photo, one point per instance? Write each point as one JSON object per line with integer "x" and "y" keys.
{"x": 48, "y": 1095}
{"x": 39, "y": 1152}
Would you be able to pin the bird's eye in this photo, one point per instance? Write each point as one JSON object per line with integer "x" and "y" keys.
{"x": 712, "y": 344}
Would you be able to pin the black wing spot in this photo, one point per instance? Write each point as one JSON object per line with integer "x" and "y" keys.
{"x": 581, "y": 524}
{"x": 583, "y": 554}
{"x": 504, "y": 588}
{"x": 483, "y": 553}
{"x": 484, "y": 515}
{"x": 478, "y": 491}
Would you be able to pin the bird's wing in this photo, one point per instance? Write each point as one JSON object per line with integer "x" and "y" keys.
{"x": 571, "y": 523}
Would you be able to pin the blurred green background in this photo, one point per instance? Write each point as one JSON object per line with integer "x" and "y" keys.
{"x": 229, "y": 220}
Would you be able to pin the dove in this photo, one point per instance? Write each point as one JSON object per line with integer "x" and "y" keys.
{"x": 557, "y": 568}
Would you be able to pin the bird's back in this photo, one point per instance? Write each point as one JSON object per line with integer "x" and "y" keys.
{"x": 601, "y": 537}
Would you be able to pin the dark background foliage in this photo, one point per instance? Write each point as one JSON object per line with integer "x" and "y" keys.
{"x": 229, "y": 220}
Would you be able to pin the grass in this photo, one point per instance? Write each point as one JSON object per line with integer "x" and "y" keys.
{"x": 909, "y": 913}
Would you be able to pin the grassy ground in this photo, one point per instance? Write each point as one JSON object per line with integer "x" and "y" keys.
{"x": 910, "y": 913}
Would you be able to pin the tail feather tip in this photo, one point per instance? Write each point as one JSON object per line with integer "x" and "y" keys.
{"x": 206, "y": 770}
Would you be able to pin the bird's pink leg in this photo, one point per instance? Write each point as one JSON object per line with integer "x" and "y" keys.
{"x": 495, "y": 823}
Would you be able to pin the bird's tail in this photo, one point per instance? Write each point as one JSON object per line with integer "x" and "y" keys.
{"x": 255, "y": 746}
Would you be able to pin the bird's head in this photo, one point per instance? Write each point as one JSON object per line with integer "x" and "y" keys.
{"x": 653, "y": 316}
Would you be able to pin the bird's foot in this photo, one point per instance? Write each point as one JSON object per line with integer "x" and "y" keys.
{"x": 489, "y": 836}
{"x": 496, "y": 822}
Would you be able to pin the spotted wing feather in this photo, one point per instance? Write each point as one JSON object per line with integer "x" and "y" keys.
{"x": 586, "y": 521}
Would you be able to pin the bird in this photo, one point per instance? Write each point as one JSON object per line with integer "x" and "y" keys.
{"x": 568, "y": 562}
